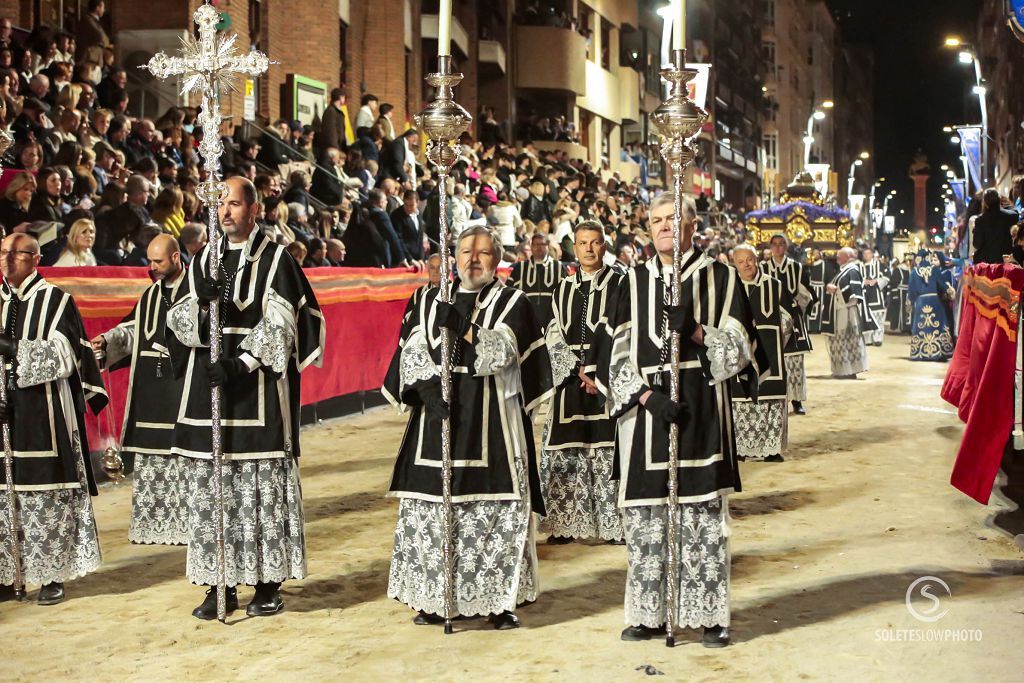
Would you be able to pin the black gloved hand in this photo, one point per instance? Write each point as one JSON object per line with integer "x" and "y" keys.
{"x": 208, "y": 289}
{"x": 665, "y": 409}
{"x": 449, "y": 317}
{"x": 225, "y": 370}
{"x": 433, "y": 401}
{"x": 8, "y": 346}
{"x": 6, "y": 412}
{"x": 680, "y": 319}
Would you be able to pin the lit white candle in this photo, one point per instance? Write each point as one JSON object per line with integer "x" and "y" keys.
{"x": 679, "y": 30}
{"x": 444, "y": 28}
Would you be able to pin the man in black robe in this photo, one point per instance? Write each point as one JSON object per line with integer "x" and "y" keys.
{"x": 538, "y": 277}
{"x": 821, "y": 272}
{"x": 717, "y": 342}
{"x": 876, "y": 278}
{"x": 272, "y": 331}
{"x": 500, "y": 374}
{"x": 51, "y": 378}
{"x": 898, "y": 303}
{"x": 578, "y": 457}
{"x": 140, "y": 342}
{"x": 846, "y": 318}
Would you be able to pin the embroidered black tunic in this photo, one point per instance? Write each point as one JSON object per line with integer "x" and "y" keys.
{"x": 769, "y": 304}
{"x": 850, "y": 284}
{"x": 796, "y": 280}
{"x": 539, "y": 282}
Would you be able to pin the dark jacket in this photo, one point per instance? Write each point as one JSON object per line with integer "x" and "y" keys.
{"x": 395, "y": 248}
{"x": 536, "y": 210}
{"x": 122, "y": 222}
{"x": 11, "y": 215}
{"x": 365, "y": 248}
{"x": 992, "y": 235}
{"x": 332, "y": 130}
{"x": 392, "y": 161}
{"x": 409, "y": 231}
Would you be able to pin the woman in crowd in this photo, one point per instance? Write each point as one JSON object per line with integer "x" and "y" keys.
{"x": 78, "y": 250}
{"x": 17, "y": 198}
{"x": 167, "y": 210}
{"x": 46, "y": 203}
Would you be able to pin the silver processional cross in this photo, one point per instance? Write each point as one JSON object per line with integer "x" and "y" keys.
{"x": 207, "y": 65}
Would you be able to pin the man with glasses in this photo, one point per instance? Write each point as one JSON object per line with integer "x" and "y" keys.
{"x": 51, "y": 377}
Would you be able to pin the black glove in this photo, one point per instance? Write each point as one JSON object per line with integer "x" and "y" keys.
{"x": 208, "y": 289}
{"x": 225, "y": 370}
{"x": 666, "y": 410}
{"x": 449, "y": 317}
{"x": 681, "y": 320}
{"x": 6, "y": 412}
{"x": 433, "y": 401}
{"x": 8, "y": 346}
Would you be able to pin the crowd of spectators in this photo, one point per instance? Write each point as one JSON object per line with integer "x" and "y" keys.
{"x": 95, "y": 184}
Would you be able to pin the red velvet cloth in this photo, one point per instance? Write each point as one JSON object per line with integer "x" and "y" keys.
{"x": 980, "y": 378}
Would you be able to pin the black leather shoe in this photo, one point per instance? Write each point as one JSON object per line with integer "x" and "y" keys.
{"x": 560, "y": 540}
{"x": 208, "y": 610}
{"x": 636, "y": 633}
{"x": 267, "y": 602}
{"x": 427, "y": 619}
{"x": 616, "y": 541}
{"x": 798, "y": 408}
{"x": 715, "y": 636}
{"x": 775, "y": 458}
{"x": 51, "y": 594}
{"x": 504, "y": 621}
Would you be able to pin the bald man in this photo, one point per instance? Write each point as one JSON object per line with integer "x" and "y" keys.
{"x": 272, "y": 331}
{"x": 139, "y": 343}
{"x": 845, "y": 318}
{"x": 51, "y": 377}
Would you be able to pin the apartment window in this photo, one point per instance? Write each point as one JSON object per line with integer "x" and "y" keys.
{"x": 769, "y": 11}
{"x": 587, "y": 17}
{"x": 771, "y": 151}
{"x": 606, "y": 44}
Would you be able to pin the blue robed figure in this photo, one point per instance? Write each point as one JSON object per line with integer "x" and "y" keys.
{"x": 931, "y": 324}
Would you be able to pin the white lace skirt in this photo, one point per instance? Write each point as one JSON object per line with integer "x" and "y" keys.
{"x": 59, "y": 541}
{"x": 762, "y": 428}
{"x": 876, "y": 336}
{"x": 846, "y": 349}
{"x": 264, "y": 536}
{"x": 796, "y": 377}
{"x": 580, "y": 496}
{"x": 159, "y": 500}
{"x": 495, "y": 555}
{"x": 703, "y": 554}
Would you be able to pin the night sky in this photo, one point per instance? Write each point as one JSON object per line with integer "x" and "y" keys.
{"x": 919, "y": 85}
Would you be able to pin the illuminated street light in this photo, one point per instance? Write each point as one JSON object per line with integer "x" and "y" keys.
{"x": 944, "y": 167}
{"x": 819, "y": 116}
{"x": 953, "y": 41}
{"x": 979, "y": 90}
{"x": 966, "y": 56}
{"x": 947, "y": 129}
{"x": 865, "y": 155}
{"x": 955, "y": 139}
{"x": 828, "y": 104}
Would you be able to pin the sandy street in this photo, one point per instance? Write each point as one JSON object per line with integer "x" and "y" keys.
{"x": 824, "y": 548}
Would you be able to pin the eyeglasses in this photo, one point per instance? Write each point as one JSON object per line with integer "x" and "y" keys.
{"x": 16, "y": 253}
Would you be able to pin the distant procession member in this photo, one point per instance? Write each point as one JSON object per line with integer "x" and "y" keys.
{"x": 846, "y": 318}
{"x": 52, "y": 377}
{"x": 538, "y": 277}
{"x": 140, "y": 342}
{"x": 500, "y": 375}
{"x": 876, "y": 279}
{"x": 576, "y": 464}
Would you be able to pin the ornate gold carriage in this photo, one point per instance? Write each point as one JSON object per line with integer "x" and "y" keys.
{"x": 802, "y": 216}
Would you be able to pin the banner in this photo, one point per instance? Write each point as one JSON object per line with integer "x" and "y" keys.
{"x": 970, "y": 143}
{"x": 697, "y": 89}
{"x": 959, "y": 191}
{"x": 877, "y": 219}
{"x": 890, "y": 225}
{"x": 856, "y": 207}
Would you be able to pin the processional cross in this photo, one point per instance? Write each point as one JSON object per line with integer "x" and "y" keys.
{"x": 207, "y": 65}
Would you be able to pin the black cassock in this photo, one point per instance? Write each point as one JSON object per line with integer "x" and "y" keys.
{"x": 821, "y": 273}
{"x": 850, "y": 284}
{"x": 898, "y": 307}
{"x": 796, "y": 280}
{"x": 496, "y": 382}
{"x": 538, "y": 281}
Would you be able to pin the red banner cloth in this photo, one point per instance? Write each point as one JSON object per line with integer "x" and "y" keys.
{"x": 980, "y": 378}
{"x": 362, "y": 309}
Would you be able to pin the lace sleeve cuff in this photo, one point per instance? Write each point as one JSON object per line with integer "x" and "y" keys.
{"x": 787, "y": 326}
{"x": 183, "y": 321}
{"x": 416, "y": 365}
{"x": 563, "y": 360}
{"x": 494, "y": 351}
{"x": 44, "y": 360}
{"x": 626, "y": 387}
{"x": 120, "y": 341}
{"x": 728, "y": 350}
{"x": 271, "y": 344}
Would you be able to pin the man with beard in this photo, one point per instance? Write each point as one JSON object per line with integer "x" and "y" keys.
{"x": 500, "y": 373}
{"x": 576, "y": 464}
{"x": 717, "y": 343}
{"x": 51, "y": 378}
{"x": 140, "y": 342}
{"x": 796, "y": 280}
{"x": 538, "y": 277}
{"x": 272, "y": 331}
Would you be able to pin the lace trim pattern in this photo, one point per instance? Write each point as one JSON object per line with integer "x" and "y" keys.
{"x": 59, "y": 539}
{"x": 495, "y": 555}
{"x": 796, "y": 377}
{"x": 877, "y": 335}
{"x": 761, "y": 428}
{"x": 563, "y": 361}
{"x": 159, "y": 496}
{"x": 728, "y": 351}
{"x": 39, "y": 361}
{"x": 263, "y": 520}
{"x": 703, "y": 591}
{"x": 846, "y": 349}
{"x": 416, "y": 365}
{"x": 625, "y": 384}
{"x": 271, "y": 344}
{"x": 494, "y": 352}
{"x": 579, "y": 494}
{"x": 183, "y": 320}
{"x": 119, "y": 343}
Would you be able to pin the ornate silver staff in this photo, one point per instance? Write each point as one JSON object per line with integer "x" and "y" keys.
{"x": 678, "y": 119}
{"x": 443, "y": 121}
{"x": 13, "y": 525}
{"x": 208, "y": 65}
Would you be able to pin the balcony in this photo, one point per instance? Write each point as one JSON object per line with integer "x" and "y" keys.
{"x": 538, "y": 48}
{"x": 492, "y": 52}
{"x": 429, "y": 30}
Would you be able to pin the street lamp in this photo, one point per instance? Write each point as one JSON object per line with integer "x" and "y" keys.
{"x": 955, "y": 139}
{"x": 967, "y": 55}
{"x": 816, "y": 115}
{"x": 850, "y": 179}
